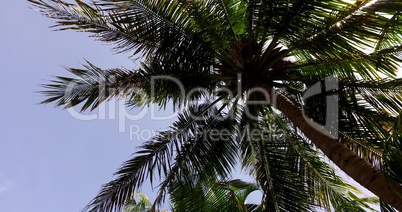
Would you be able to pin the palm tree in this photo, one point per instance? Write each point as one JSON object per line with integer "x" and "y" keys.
{"x": 213, "y": 196}
{"x": 138, "y": 203}
{"x": 222, "y": 196}
{"x": 232, "y": 54}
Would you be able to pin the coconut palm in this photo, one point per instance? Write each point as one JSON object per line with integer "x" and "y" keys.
{"x": 228, "y": 195}
{"x": 214, "y": 196}
{"x": 251, "y": 63}
{"x": 138, "y": 203}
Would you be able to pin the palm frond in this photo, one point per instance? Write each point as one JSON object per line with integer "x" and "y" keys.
{"x": 131, "y": 27}
{"x": 392, "y": 162}
{"x": 210, "y": 152}
{"x": 357, "y": 203}
{"x": 93, "y": 85}
{"x": 141, "y": 204}
{"x": 352, "y": 37}
{"x": 165, "y": 154}
{"x": 316, "y": 183}
{"x": 367, "y": 110}
{"x": 221, "y": 196}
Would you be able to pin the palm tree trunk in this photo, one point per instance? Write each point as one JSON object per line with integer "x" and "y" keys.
{"x": 360, "y": 170}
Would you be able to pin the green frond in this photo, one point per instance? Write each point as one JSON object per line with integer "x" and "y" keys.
{"x": 130, "y": 25}
{"x": 138, "y": 203}
{"x": 153, "y": 83}
{"x": 358, "y": 203}
{"x": 189, "y": 143}
{"x": 272, "y": 165}
{"x": 367, "y": 110}
{"x": 392, "y": 162}
{"x": 353, "y": 36}
{"x": 92, "y": 86}
{"x": 213, "y": 196}
{"x": 172, "y": 76}
{"x": 210, "y": 151}
{"x": 325, "y": 187}
{"x": 369, "y": 115}
{"x": 316, "y": 183}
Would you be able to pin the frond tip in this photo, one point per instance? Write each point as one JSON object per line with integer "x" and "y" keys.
{"x": 92, "y": 86}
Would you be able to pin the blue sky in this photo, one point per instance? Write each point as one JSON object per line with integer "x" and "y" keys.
{"x": 49, "y": 160}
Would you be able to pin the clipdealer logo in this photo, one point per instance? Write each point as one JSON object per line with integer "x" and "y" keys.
{"x": 118, "y": 109}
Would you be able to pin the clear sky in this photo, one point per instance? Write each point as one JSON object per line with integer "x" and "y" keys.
{"x": 49, "y": 159}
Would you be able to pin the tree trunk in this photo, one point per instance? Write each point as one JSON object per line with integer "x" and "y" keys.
{"x": 354, "y": 166}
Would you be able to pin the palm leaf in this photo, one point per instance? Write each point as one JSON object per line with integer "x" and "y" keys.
{"x": 162, "y": 157}
{"x": 93, "y": 85}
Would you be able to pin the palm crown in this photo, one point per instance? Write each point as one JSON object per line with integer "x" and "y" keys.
{"x": 234, "y": 53}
